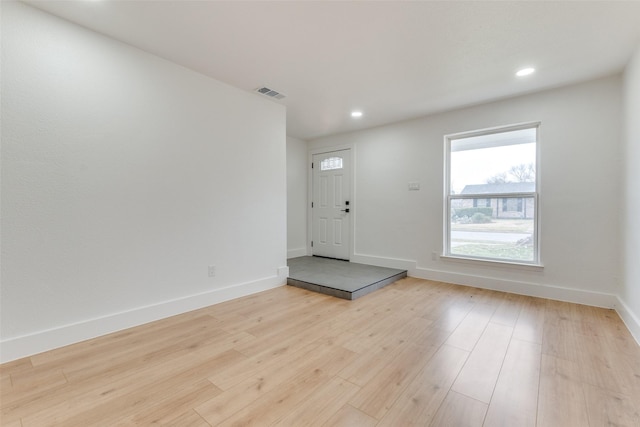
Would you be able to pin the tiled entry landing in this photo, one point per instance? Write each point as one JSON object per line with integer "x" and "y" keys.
{"x": 340, "y": 279}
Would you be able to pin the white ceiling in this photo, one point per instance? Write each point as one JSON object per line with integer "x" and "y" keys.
{"x": 393, "y": 60}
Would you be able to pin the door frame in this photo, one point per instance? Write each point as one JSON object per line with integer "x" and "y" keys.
{"x": 354, "y": 205}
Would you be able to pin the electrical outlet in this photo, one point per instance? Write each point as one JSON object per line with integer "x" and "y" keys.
{"x": 212, "y": 271}
{"x": 434, "y": 256}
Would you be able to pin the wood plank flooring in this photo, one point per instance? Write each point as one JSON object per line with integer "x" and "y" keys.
{"x": 413, "y": 353}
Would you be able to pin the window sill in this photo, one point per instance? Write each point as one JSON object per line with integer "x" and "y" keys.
{"x": 491, "y": 262}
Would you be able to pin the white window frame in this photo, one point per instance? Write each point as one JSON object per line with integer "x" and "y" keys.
{"x": 448, "y": 197}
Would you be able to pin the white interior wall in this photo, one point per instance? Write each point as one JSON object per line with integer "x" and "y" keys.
{"x": 580, "y": 138}
{"x": 296, "y": 197}
{"x": 630, "y": 292}
{"x": 124, "y": 177}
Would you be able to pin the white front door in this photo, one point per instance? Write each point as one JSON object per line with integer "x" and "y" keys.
{"x": 331, "y": 204}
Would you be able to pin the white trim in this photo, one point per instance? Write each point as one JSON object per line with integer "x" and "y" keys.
{"x": 631, "y": 321}
{"x": 494, "y": 196}
{"x": 38, "y": 342}
{"x": 559, "y": 293}
{"x": 539, "y": 191}
{"x": 403, "y": 264}
{"x": 492, "y": 262}
{"x": 295, "y": 253}
{"x": 495, "y": 129}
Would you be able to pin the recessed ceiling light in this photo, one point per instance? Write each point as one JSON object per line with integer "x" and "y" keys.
{"x": 525, "y": 72}
{"x": 356, "y": 114}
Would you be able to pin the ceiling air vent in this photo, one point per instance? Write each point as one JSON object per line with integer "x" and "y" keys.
{"x": 270, "y": 93}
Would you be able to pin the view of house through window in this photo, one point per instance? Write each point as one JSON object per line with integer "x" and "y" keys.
{"x": 491, "y": 195}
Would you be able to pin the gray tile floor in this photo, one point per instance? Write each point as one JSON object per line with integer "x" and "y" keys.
{"x": 341, "y": 279}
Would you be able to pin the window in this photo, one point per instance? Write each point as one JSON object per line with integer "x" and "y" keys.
{"x": 512, "y": 205}
{"x": 491, "y": 195}
{"x": 331, "y": 163}
{"x": 481, "y": 203}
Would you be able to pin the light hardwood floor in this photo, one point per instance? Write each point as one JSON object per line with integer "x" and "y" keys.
{"x": 413, "y": 353}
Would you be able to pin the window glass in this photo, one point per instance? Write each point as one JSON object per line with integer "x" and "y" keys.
{"x": 331, "y": 163}
{"x": 494, "y": 163}
{"x": 491, "y": 195}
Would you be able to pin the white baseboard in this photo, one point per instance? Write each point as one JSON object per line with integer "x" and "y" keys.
{"x": 402, "y": 264}
{"x": 629, "y": 318}
{"x": 559, "y": 293}
{"x": 295, "y": 253}
{"x": 28, "y": 345}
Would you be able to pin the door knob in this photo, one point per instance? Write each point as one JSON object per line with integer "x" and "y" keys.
{"x": 345, "y": 210}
